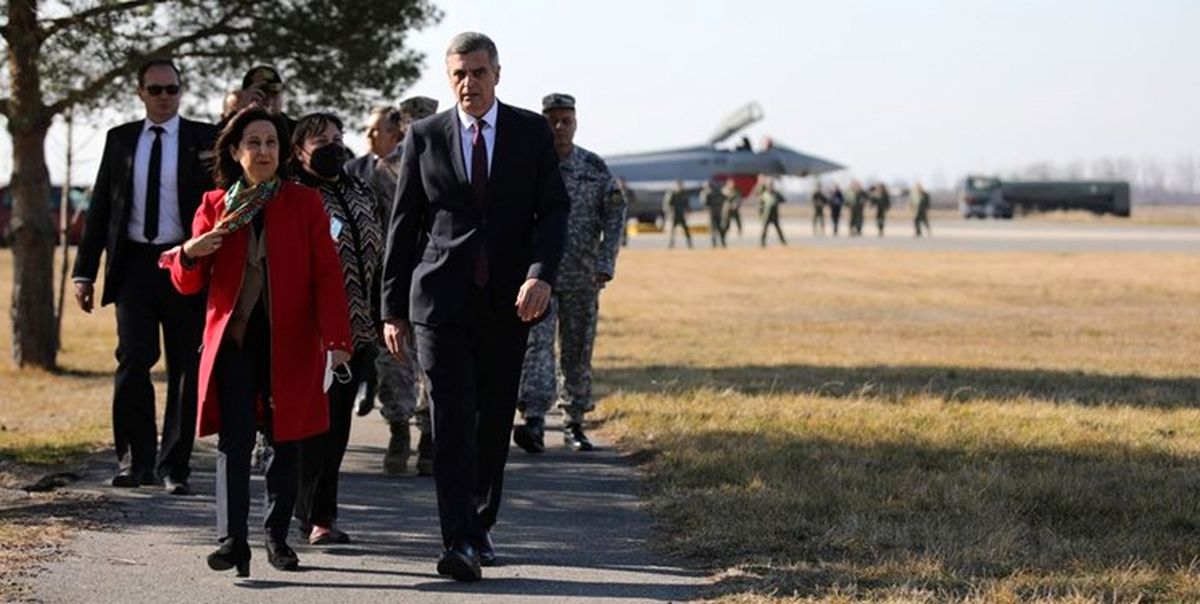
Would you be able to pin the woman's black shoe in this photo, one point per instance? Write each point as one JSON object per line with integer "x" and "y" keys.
{"x": 233, "y": 552}
{"x": 281, "y": 556}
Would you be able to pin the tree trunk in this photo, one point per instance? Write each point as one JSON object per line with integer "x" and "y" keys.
{"x": 35, "y": 341}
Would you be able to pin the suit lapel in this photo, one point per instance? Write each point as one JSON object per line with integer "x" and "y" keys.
{"x": 454, "y": 136}
{"x": 129, "y": 142}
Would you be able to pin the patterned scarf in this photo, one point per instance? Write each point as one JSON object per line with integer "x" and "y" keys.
{"x": 242, "y": 202}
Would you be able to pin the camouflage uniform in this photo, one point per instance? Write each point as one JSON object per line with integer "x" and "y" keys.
{"x": 818, "y": 220}
{"x": 675, "y": 205}
{"x": 768, "y": 208}
{"x": 401, "y": 391}
{"x": 920, "y": 202}
{"x": 882, "y": 202}
{"x": 715, "y": 204}
{"x": 593, "y": 238}
{"x": 731, "y": 211}
{"x": 858, "y": 201}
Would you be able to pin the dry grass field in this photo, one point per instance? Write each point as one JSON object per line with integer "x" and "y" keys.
{"x": 852, "y": 425}
{"x": 859, "y": 425}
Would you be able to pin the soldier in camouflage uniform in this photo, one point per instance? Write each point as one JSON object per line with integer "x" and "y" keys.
{"x": 858, "y": 202}
{"x": 768, "y": 207}
{"x": 882, "y": 202}
{"x": 731, "y": 211}
{"x": 593, "y": 238}
{"x": 675, "y": 205}
{"x": 819, "y": 201}
{"x": 920, "y": 203}
{"x": 401, "y": 390}
{"x": 715, "y": 203}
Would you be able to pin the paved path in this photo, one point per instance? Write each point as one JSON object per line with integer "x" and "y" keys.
{"x": 571, "y": 530}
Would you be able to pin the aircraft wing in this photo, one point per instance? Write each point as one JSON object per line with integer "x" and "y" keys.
{"x": 706, "y": 162}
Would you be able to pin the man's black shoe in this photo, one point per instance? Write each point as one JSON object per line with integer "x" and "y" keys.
{"x": 281, "y": 556}
{"x": 531, "y": 435}
{"x": 128, "y": 478}
{"x": 574, "y": 437}
{"x": 176, "y": 487}
{"x": 460, "y": 562}
{"x": 233, "y": 552}
{"x": 487, "y": 550}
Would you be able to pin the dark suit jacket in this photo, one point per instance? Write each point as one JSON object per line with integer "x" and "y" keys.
{"x": 112, "y": 196}
{"x": 361, "y": 167}
{"x": 436, "y": 232}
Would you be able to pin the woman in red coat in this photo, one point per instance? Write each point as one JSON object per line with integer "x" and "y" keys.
{"x": 276, "y": 309}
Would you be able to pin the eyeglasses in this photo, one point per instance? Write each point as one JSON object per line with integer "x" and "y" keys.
{"x": 156, "y": 89}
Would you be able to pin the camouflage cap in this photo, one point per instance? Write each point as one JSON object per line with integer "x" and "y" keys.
{"x": 418, "y": 107}
{"x": 558, "y": 100}
{"x": 265, "y": 75}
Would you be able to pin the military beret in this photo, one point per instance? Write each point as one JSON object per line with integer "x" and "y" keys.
{"x": 265, "y": 75}
{"x": 557, "y": 100}
{"x": 418, "y": 107}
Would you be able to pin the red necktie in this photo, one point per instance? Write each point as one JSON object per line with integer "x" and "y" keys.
{"x": 479, "y": 175}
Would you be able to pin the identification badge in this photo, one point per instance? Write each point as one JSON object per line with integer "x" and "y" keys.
{"x": 335, "y": 228}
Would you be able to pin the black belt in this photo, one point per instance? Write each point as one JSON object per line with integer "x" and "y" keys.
{"x": 155, "y": 248}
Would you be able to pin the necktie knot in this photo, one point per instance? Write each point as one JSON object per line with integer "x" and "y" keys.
{"x": 157, "y": 130}
{"x": 477, "y": 135}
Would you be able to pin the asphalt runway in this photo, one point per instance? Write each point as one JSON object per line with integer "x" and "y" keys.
{"x": 962, "y": 235}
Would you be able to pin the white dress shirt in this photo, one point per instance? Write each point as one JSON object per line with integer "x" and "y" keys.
{"x": 468, "y": 134}
{"x": 170, "y": 227}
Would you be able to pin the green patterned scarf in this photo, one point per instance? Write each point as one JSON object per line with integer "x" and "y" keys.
{"x": 242, "y": 202}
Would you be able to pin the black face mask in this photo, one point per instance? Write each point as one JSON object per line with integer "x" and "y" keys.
{"x": 326, "y": 161}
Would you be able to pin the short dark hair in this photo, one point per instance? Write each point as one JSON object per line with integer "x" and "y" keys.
{"x": 391, "y": 113}
{"x": 313, "y": 123}
{"x": 141, "y": 74}
{"x": 471, "y": 41}
{"x": 226, "y": 170}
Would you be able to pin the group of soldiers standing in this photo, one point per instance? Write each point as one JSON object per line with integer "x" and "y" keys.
{"x": 876, "y": 195}
{"x": 724, "y": 210}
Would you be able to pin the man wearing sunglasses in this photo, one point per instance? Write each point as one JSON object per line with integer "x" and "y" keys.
{"x": 152, "y": 174}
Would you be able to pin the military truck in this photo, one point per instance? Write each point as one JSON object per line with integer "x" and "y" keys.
{"x": 990, "y": 197}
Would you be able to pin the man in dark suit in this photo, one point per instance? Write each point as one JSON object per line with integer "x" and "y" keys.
{"x": 151, "y": 177}
{"x": 384, "y": 135}
{"x": 473, "y": 246}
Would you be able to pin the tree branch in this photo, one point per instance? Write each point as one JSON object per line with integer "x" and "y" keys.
{"x": 77, "y": 96}
{"x": 54, "y": 26}
{"x": 5, "y": 107}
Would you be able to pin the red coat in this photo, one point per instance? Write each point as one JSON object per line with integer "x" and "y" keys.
{"x": 308, "y": 311}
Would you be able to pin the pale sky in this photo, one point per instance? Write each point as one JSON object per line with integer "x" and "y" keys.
{"x": 894, "y": 89}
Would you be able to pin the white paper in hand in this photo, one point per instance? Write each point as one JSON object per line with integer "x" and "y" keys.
{"x": 327, "y": 381}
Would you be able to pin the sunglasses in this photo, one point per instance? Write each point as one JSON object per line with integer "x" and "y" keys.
{"x": 156, "y": 89}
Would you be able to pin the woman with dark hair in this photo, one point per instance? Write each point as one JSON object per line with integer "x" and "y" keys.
{"x": 276, "y": 319}
{"x": 317, "y": 158}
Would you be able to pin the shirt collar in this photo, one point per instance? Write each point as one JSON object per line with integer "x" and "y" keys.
{"x": 468, "y": 121}
{"x": 170, "y": 126}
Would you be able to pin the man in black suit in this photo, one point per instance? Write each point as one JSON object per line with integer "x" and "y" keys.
{"x": 151, "y": 177}
{"x": 473, "y": 246}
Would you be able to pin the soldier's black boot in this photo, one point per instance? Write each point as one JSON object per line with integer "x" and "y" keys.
{"x": 574, "y": 437}
{"x": 425, "y": 454}
{"x": 281, "y": 556}
{"x": 531, "y": 435}
{"x": 395, "y": 461}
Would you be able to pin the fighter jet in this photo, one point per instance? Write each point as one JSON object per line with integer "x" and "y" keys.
{"x": 708, "y": 162}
